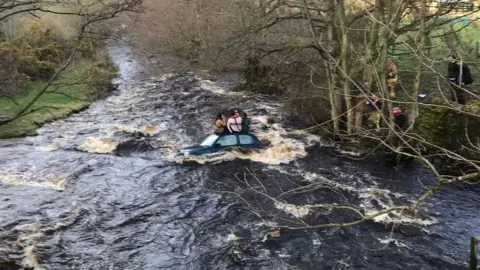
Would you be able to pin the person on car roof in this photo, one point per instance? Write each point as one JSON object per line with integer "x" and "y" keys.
{"x": 220, "y": 124}
{"x": 234, "y": 123}
{"x": 246, "y": 123}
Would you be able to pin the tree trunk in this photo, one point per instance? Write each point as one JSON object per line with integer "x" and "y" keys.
{"x": 412, "y": 111}
{"x": 367, "y": 77}
{"x": 345, "y": 68}
{"x": 385, "y": 36}
{"x": 473, "y": 253}
{"x": 334, "y": 99}
{"x": 331, "y": 67}
{"x": 359, "y": 112}
{"x": 198, "y": 21}
{"x": 382, "y": 75}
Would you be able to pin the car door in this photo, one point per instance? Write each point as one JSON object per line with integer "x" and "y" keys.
{"x": 247, "y": 141}
{"x": 226, "y": 142}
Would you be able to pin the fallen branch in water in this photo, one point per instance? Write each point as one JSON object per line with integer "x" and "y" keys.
{"x": 442, "y": 184}
{"x": 348, "y": 224}
{"x": 260, "y": 189}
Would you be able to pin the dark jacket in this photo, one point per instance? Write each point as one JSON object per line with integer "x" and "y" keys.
{"x": 454, "y": 74}
{"x": 246, "y": 123}
{"x": 377, "y": 104}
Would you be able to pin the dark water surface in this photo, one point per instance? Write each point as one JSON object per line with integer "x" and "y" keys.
{"x": 64, "y": 205}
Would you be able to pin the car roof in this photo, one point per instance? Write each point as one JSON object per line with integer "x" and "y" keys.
{"x": 235, "y": 134}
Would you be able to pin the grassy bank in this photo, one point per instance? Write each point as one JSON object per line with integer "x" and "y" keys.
{"x": 78, "y": 87}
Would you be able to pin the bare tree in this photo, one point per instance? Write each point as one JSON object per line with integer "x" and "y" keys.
{"x": 89, "y": 13}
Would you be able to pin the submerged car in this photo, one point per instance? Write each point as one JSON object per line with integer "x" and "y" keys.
{"x": 223, "y": 142}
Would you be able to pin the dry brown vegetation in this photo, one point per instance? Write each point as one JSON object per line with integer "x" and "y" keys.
{"x": 40, "y": 41}
{"x": 38, "y": 36}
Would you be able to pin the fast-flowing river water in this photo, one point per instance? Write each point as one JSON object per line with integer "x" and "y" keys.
{"x": 103, "y": 189}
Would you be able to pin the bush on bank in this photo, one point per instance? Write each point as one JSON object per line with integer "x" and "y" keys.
{"x": 27, "y": 62}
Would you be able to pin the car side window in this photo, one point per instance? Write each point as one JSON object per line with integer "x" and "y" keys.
{"x": 227, "y": 140}
{"x": 245, "y": 139}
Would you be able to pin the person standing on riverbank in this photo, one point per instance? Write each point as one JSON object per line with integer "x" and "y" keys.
{"x": 392, "y": 77}
{"x": 376, "y": 106}
{"x": 399, "y": 118}
{"x": 458, "y": 77}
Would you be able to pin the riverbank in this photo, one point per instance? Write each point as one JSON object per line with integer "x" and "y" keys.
{"x": 83, "y": 83}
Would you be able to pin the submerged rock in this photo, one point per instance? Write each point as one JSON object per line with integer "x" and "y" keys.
{"x": 132, "y": 146}
{"x": 271, "y": 120}
{"x": 265, "y": 142}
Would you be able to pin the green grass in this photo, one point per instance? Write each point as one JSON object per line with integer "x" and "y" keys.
{"x": 69, "y": 97}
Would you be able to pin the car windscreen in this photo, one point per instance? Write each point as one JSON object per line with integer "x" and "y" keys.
{"x": 209, "y": 140}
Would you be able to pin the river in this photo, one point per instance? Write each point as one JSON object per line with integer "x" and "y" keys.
{"x": 103, "y": 189}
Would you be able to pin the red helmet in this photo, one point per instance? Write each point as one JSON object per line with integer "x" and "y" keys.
{"x": 397, "y": 111}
